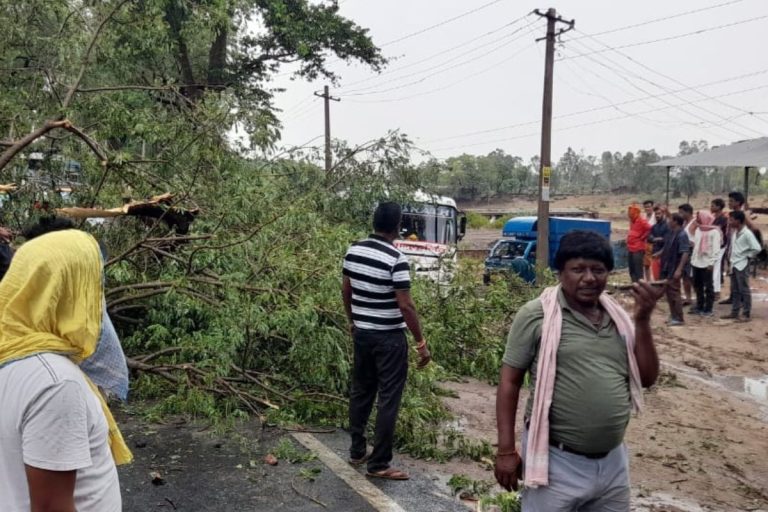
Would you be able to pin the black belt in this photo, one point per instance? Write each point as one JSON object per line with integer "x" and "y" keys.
{"x": 568, "y": 449}
{"x": 561, "y": 446}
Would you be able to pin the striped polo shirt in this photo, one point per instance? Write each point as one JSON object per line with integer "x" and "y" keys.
{"x": 376, "y": 269}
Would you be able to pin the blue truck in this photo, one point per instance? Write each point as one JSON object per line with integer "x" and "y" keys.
{"x": 516, "y": 251}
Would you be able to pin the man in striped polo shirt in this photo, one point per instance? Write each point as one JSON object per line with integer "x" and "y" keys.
{"x": 377, "y": 300}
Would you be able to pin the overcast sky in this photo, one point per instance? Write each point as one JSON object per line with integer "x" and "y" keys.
{"x": 483, "y": 72}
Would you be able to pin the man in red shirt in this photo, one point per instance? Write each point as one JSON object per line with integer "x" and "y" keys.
{"x": 636, "y": 240}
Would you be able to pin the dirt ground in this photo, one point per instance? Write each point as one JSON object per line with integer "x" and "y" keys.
{"x": 702, "y": 441}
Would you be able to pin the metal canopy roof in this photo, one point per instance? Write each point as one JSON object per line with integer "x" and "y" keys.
{"x": 746, "y": 153}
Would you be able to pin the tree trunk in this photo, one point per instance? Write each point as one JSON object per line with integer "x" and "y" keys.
{"x": 217, "y": 58}
{"x": 175, "y": 15}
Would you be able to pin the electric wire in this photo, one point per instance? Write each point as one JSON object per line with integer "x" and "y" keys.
{"x": 591, "y": 123}
{"x": 601, "y": 108}
{"x": 657, "y": 20}
{"x": 453, "y": 65}
{"x": 668, "y": 77}
{"x": 298, "y": 105}
{"x": 614, "y": 67}
{"x": 441, "y": 23}
{"x": 671, "y": 38}
{"x": 475, "y": 74}
{"x": 301, "y": 113}
{"x": 438, "y": 54}
{"x": 607, "y": 101}
{"x": 418, "y": 32}
{"x": 646, "y": 99}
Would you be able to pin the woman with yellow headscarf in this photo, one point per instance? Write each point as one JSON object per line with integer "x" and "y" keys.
{"x": 58, "y": 440}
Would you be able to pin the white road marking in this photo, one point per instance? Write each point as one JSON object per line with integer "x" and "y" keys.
{"x": 372, "y": 494}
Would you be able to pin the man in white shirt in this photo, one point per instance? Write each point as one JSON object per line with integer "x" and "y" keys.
{"x": 744, "y": 245}
{"x": 706, "y": 249}
{"x": 650, "y": 216}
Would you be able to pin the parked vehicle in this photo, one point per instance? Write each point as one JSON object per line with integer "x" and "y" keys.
{"x": 431, "y": 228}
{"x": 516, "y": 251}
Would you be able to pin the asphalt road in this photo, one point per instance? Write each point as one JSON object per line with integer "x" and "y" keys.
{"x": 201, "y": 471}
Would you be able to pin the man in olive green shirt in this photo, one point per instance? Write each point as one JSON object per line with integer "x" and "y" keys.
{"x": 590, "y": 409}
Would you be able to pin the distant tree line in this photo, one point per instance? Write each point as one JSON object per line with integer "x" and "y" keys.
{"x": 497, "y": 174}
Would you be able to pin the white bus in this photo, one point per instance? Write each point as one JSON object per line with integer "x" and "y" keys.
{"x": 431, "y": 229}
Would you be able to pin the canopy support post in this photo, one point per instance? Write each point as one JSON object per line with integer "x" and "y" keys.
{"x": 669, "y": 170}
{"x": 746, "y": 184}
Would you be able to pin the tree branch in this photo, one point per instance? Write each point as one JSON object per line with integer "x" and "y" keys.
{"x": 172, "y": 88}
{"x": 139, "y": 296}
{"x": 73, "y": 88}
{"x": 64, "y": 124}
{"x": 137, "y": 286}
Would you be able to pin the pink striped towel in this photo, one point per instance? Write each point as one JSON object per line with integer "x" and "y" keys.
{"x": 537, "y": 453}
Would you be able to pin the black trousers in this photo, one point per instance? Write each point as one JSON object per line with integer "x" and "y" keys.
{"x": 380, "y": 367}
{"x": 636, "y": 265}
{"x": 705, "y": 289}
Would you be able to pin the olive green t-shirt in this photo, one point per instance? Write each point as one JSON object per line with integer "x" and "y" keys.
{"x": 591, "y": 401}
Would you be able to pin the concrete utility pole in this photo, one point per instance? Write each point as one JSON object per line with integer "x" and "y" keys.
{"x": 327, "y": 97}
{"x": 545, "y": 165}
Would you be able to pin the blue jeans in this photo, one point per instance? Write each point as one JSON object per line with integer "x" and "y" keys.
{"x": 579, "y": 484}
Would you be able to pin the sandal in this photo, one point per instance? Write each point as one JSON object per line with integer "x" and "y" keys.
{"x": 389, "y": 474}
{"x": 358, "y": 461}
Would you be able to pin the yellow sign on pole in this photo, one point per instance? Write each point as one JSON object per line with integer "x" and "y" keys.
{"x": 546, "y": 174}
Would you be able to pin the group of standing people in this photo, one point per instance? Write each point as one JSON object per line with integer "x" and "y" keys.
{"x": 693, "y": 251}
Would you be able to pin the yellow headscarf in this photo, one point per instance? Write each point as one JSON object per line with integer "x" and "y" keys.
{"x": 50, "y": 301}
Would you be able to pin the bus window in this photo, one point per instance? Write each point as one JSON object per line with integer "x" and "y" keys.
{"x": 450, "y": 232}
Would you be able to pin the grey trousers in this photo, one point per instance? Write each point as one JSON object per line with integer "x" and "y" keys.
{"x": 579, "y": 484}
{"x": 740, "y": 293}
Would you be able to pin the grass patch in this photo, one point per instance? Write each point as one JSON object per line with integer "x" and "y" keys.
{"x": 286, "y": 450}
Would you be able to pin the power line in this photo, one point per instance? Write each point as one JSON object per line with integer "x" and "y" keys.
{"x": 454, "y": 65}
{"x": 420, "y": 31}
{"x": 671, "y": 38}
{"x": 672, "y": 79}
{"x": 605, "y": 107}
{"x": 440, "y": 24}
{"x": 657, "y": 20}
{"x": 442, "y": 52}
{"x": 298, "y": 105}
{"x": 608, "y": 102}
{"x": 302, "y": 112}
{"x": 633, "y": 83}
{"x": 644, "y": 78}
{"x": 591, "y": 123}
{"x": 645, "y": 99}
{"x": 630, "y": 114}
{"x": 475, "y": 74}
